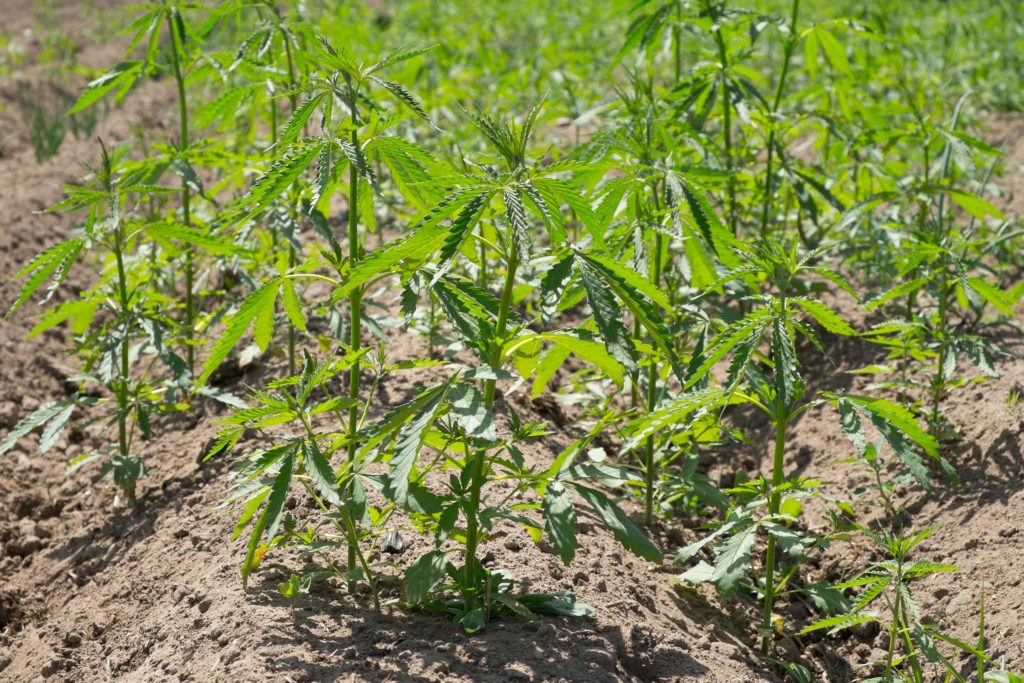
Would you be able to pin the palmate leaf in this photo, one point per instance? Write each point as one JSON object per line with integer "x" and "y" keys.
{"x": 409, "y": 167}
{"x": 630, "y": 278}
{"x": 732, "y": 557}
{"x": 424, "y": 574}
{"x": 515, "y": 214}
{"x": 622, "y": 283}
{"x": 389, "y": 424}
{"x": 167, "y": 233}
{"x": 358, "y": 161}
{"x": 406, "y": 98}
{"x": 297, "y": 121}
{"x": 752, "y": 326}
{"x": 679, "y": 413}
{"x": 257, "y": 310}
{"x": 824, "y": 316}
{"x": 840, "y": 622}
{"x": 644, "y": 30}
{"x": 546, "y": 206}
{"x": 408, "y": 444}
{"x": 292, "y": 305}
{"x": 121, "y": 76}
{"x": 552, "y": 285}
{"x": 420, "y": 244}
{"x": 396, "y": 57}
{"x": 899, "y": 429}
{"x": 269, "y": 518}
{"x": 218, "y": 110}
{"x": 998, "y": 298}
{"x": 321, "y": 474}
{"x": 589, "y": 350}
{"x": 900, "y": 291}
{"x": 617, "y": 522}
{"x": 462, "y": 226}
{"x": 275, "y": 182}
{"x": 54, "y": 264}
{"x": 787, "y": 380}
{"x": 557, "y": 192}
{"x": 608, "y": 317}
{"x": 560, "y": 521}
{"x": 471, "y": 320}
{"x": 53, "y": 416}
{"x": 711, "y": 227}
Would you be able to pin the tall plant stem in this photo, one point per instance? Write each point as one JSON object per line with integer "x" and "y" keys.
{"x": 292, "y": 260}
{"x": 939, "y": 382}
{"x": 723, "y": 58}
{"x": 787, "y": 55}
{"x": 122, "y": 385}
{"x": 479, "y": 464}
{"x": 774, "y": 504}
{"x": 677, "y": 42}
{"x": 355, "y": 310}
{"x": 650, "y": 467}
{"x": 186, "y": 217}
{"x": 894, "y": 630}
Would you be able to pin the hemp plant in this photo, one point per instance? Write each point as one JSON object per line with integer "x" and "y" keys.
{"x": 119, "y": 324}
{"x": 778, "y": 390}
{"x": 265, "y": 475}
{"x": 912, "y": 653}
{"x": 182, "y": 40}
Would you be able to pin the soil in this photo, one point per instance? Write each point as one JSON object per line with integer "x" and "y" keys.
{"x": 92, "y": 591}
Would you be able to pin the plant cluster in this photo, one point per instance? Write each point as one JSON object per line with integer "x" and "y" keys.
{"x": 745, "y": 188}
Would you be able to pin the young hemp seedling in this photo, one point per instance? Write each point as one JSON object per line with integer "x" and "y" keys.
{"x": 148, "y": 28}
{"x": 119, "y": 322}
{"x": 887, "y": 582}
{"x": 779, "y": 392}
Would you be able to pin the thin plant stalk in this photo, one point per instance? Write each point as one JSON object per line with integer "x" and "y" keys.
{"x": 186, "y": 195}
{"x": 122, "y": 386}
{"x": 355, "y": 302}
{"x": 723, "y": 57}
{"x": 774, "y": 505}
{"x": 479, "y": 465}
{"x": 787, "y": 55}
{"x": 650, "y": 467}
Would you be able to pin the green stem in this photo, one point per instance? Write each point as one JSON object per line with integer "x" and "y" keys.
{"x": 122, "y": 386}
{"x": 939, "y": 382}
{"x": 650, "y": 467}
{"x": 787, "y": 55}
{"x": 774, "y": 504}
{"x": 677, "y": 42}
{"x": 292, "y": 260}
{"x": 186, "y": 217}
{"x": 355, "y": 310}
{"x": 894, "y": 630}
{"x": 478, "y": 474}
{"x": 723, "y": 58}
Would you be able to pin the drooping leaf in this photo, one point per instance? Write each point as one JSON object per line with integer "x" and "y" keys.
{"x": 560, "y": 521}
{"x": 268, "y": 520}
{"x": 617, "y": 522}
{"x": 257, "y": 307}
{"x": 423, "y": 576}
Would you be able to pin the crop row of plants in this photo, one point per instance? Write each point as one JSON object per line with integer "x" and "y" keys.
{"x": 656, "y": 236}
